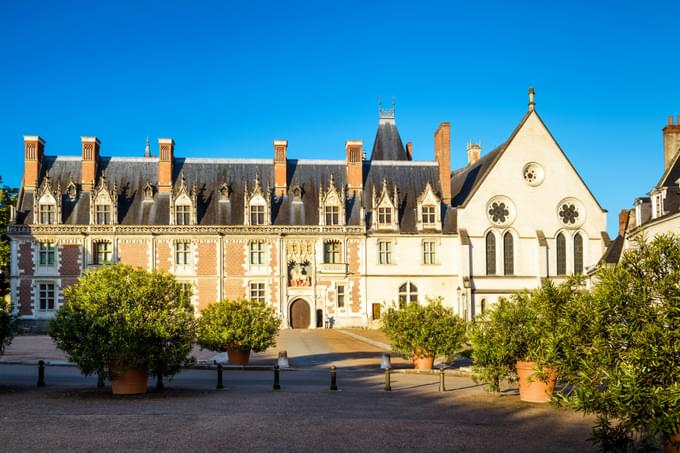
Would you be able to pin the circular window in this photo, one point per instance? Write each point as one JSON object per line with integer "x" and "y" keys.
{"x": 533, "y": 174}
{"x": 501, "y": 211}
{"x": 571, "y": 213}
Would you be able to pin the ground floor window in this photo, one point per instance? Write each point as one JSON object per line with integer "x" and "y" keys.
{"x": 46, "y": 296}
{"x": 341, "y": 296}
{"x": 408, "y": 292}
{"x": 375, "y": 311}
{"x": 257, "y": 292}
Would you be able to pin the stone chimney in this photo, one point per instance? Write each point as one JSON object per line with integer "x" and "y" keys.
{"x": 355, "y": 169}
{"x": 623, "y": 221}
{"x": 442, "y": 154}
{"x": 671, "y": 142}
{"x": 280, "y": 167}
{"x": 90, "y": 162}
{"x": 474, "y": 150}
{"x": 409, "y": 150}
{"x": 167, "y": 154}
{"x": 34, "y": 150}
{"x": 532, "y": 103}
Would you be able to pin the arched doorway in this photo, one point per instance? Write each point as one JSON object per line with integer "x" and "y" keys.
{"x": 299, "y": 314}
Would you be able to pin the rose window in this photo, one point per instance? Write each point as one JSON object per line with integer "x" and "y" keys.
{"x": 499, "y": 212}
{"x": 533, "y": 174}
{"x": 530, "y": 175}
{"x": 569, "y": 213}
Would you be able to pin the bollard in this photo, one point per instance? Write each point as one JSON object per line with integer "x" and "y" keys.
{"x": 100, "y": 379}
{"x": 220, "y": 385}
{"x": 41, "y": 373}
{"x": 388, "y": 385}
{"x": 159, "y": 382}
{"x": 334, "y": 384}
{"x": 442, "y": 385}
{"x": 385, "y": 361}
{"x": 283, "y": 359}
{"x": 277, "y": 386}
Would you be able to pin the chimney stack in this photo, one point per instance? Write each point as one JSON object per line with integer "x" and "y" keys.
{"x": 165, "y": 160}
{"x": 90, "y": 162}
{"x": 34, "y": 150}
{"x": 355, "y": 169}
{"x": 409, "y": 150}
{"x": 532, "y": 104}
{"x": 442, "y": 154}
{"x": 623, "y": 221}
{"x": 671, "y": 142}
{"x": 280, "y": 167}
{"x": 474, "y": 150}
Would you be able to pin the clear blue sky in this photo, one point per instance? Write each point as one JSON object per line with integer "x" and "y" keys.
{"x": 226, "y": 78}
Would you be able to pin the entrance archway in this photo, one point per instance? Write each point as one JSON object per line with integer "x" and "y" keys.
{"x": 299, "y": 314}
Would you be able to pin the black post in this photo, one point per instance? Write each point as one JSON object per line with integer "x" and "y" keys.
{"x": 442, "y": 384}
{"x": 159, "y": 381}
{"x": 220, "y": 385}
{"x": 334, "y": 379}
{"x": 41, "y": 373}
{"x": 100, "y": 379}
{"x": 277, "y": 385}
{"x": 388, "y": 385}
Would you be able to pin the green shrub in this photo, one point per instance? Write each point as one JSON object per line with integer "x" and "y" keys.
{"x": 8, "y": 324}
{"x": 125, "y": 317}
{"x": 239, "y": 324}
{"x": 424, "y": 330}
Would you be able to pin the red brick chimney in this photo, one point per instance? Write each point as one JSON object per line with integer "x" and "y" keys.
{"x": 442, "y": 154}
{"x": 474, "y": 150}
{"x": 167, "y": 154}
{"x": 671, "y": 141}
{"x": 34, "y": 150}
{"x": 355, "y": 176}
{"x": 280, "y": 167}
{"x": 90, "y": 161}
{"x": 623, "y": 221}
{"x": 409, "y": 150}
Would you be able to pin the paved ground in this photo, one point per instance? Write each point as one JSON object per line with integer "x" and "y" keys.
{"x": 71, "y": 414}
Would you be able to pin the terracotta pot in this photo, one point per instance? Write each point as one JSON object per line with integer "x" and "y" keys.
{"x": 132, "y": 381}
{"x": 422, "y": 363}
{"x": 534, "y": 390}
{"x": 670, "y": 448}
{"x": 238, "y": 356}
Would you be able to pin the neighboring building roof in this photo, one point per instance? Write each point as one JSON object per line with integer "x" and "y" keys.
{"x": 613, "y": 252}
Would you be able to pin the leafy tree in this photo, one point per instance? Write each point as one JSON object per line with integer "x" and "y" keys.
{"x": 238, "y": 324}
{"x": 8, "y": 197}
{"x": 125, "y": 317}
{"x": 424, "y": 330}
{"x": 623, "y": 348}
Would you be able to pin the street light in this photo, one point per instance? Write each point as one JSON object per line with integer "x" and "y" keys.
{"x": 458, "y": 290}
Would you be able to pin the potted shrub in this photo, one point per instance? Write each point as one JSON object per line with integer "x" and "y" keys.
{"x": 623, "y": 355}
{"x": 521, "y": 336}
{"x": 237, "y": 327}
{"x": 123, "y": 323}
{"x": 422, "y": 332}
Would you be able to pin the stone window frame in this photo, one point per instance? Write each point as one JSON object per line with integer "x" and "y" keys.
{"x": 46, "y": 254}
{"x": 259, "y": 288}
{"x": 408, "y": 291}
{"x": 104, "y": 203}
{"x": 490, "y": 251}
{"x": 47, "y": 198}
{"x": 567, "y": 253}
{"x": 255, "y": 198}
{"x": 429, "y": 257}
{"x": 331, "y": 199}
{"x": 42, "y": 313}
{"x": 186, "y": 199}
{"x": 341, "y": 293}
{"x": 385, "y": 213}
{"x": 261, "y": 254}
{"x": 96, "y": 252}
{"x": 428, "y": 210}
{"x": 332, "y": 251}
{"x": 386, "y": 252}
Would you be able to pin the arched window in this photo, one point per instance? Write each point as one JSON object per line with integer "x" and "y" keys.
{"x": 490, "y": 253}
{"x": 578, "y": 254}
{"x": 408, "y": 292}
{"x": 508, "y": 254}
{"x": 561, "y": 255}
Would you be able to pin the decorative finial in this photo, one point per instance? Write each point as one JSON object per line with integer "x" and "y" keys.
{"x": 532, "y": 104}
{"x": 386, "y": 115}
{"x": 147, "y": 149}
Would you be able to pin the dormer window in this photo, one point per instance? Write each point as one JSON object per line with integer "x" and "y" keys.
{"x": 103, "y": 214}
{"x": 384, "y": 209}
{"x": 103, "y": 203}
{"x": 224, "y": 193}
{"x": 384, "y": 216}
{"x": 332, "y": 215}
{"x": 183, "y": 203}
{"x": 48, "y": 213}
{"x": 148, "y": 192}
{"x": 257, "y": 204}
{"x": 47, "y": 204}
{"x": 429, "y": 214}
{"x": 256, "y": 214}
{"x": 331, "y": 204}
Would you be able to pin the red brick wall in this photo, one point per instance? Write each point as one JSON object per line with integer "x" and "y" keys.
{"x": 207, "y": 258}
{"x": 70, "y": 254}
{"x": 355, "y": 272}
{"x": 26, "y": 258}
{"x": 25, "y": 297}
{"x": 274, "y": 281}
{"x": 163, "y": 252}
{"x": 134, "y": 253}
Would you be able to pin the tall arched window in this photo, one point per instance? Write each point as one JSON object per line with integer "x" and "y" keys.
{"x": 578, "y": 254}
{"x": 561, "y": 255}
{"x": 508, "y": 254}
{"x": 408, "y": 292}
{"x": 490, "y": 253}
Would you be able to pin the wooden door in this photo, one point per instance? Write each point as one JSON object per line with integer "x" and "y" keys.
{"x": 299, "y": 314}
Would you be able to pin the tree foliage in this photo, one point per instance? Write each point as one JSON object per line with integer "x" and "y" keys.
{"x": 623, "y": 347}
{"x": 8, "y": 198}
{"x": 125, "y": 317}
{"x": 238, "y": 324}
{"x": 424, "y": 330}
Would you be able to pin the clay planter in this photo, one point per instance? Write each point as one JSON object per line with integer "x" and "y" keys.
{"x": 132, "y": 381}
{"x": 534, "y": 390}
{"x": 670, "y": 448}
{"x": 238, "y": 356}
{"x": 422, "y": 363}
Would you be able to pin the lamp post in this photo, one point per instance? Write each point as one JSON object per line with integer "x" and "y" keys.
{"x": 458, "y": 290}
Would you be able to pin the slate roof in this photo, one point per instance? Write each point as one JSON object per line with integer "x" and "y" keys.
{"x": 387, "y": 144}
{"x": 613, "y": 252}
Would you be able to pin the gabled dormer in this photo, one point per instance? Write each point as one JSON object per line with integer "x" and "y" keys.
{"x": 257, "y": 204}
{"x": 104, "y": 203}
{"x": 183, "y": 203}
{"x": 224, "y": 193}
{"x": 331, "y": 204}
{"x": 47, "y": 203}
{"x": 428, "y": 210}
{"x": 385, "y": 209}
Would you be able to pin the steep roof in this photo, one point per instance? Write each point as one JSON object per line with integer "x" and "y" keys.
{"x": 613, "y": 252}
{"x": 387, "y": 144}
